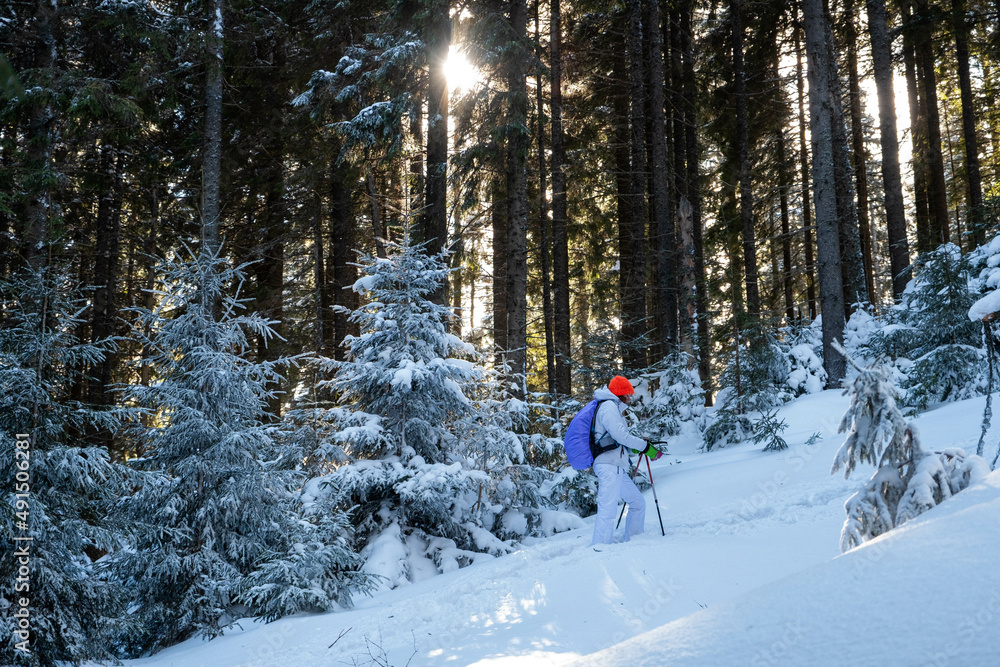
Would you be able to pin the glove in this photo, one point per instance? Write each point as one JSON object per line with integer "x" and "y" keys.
{"x": 650, "y": 452}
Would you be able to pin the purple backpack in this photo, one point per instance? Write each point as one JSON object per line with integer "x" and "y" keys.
{"x": 579, "y": 441}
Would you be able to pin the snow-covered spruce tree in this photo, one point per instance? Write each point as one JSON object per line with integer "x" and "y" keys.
{"x": 677, "y": 402}
{"x": 65, "y": 498}
{"x": 216, "y": 537}
{"x": 986, "y": 312}
{"x": 929, "y": 334}
{"x": 754, "y": 378}
{"x": 909, "y": 479}
{"x": 419, "y": 487}
{"x": 803, "y": 347}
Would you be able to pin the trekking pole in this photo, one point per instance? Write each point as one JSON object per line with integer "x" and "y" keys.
{"x": 633, "y": 478}
{"x": 655, "y": 499}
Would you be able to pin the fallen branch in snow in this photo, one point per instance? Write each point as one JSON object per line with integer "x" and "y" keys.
{"x": 342, "y": 633}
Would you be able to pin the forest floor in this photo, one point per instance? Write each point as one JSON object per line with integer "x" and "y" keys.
{"x": 748, "y": 573}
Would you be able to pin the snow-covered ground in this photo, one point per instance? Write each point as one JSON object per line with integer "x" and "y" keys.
{"x": 749, "y": 573}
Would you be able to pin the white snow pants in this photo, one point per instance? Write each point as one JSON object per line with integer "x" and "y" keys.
{"x": 613, "y": 482}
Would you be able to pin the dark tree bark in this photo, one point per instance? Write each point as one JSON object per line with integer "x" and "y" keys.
{"x": 321, "y": 288}
{"x": 434, "y": 219}
{"x": 899, "y": 249}
{"x": 918, "y": 136}
{"x": 975, "y": 203}
{"x": 212, "y": 140}
{"x": 106, "y": 271}
{"x": 633, "y": 262}
{"x": 378, "y": 224}
{"x": 38, "y": 156}
{"x": 693, "y": 194}
{"x": 342, "y": 242}
{"x": 784, "y": 184}
{"x": 560, "y": 249}
{"x": 743, "y": 162}
{"x": 820, "y": 111}
{"x": 807, "y": 225}
{"x": 858, "y": 149}
{"x": 517, "y": 194}
{"x": 852, "y": 267}
{"x": 665, "y": 294}
{"x": 937, "y": 191}
{"x": 498, "y": 219}
{"x": 543, "y": 217}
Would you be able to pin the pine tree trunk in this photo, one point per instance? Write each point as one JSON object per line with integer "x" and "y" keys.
{"x": 149, "y": 269}
{"x": 543, "y": 217}
{"x": 320, "y": 286}
{"x": 38, "y": 146}
{"x": 435, "y": 214}
{"x": 270, "y": 268}
{"x": 975, "y": 203}
{"x": 212, "y": 141}
{"x": 665, "y": 295}
{"x": 852, "y": 267}
{"x": 784, "y": 184}
{"x": 820, "y": 111}
{"x": 517, "y": 195}
{"x": 899, "y": 249}
{"x": 104, "y": 308}
{"x": 743, "y": 162}
{"x": 633, "y": 262}
{"x": 560, "y": 246}
{"x": 623, "y": 180}
{"x": 693, "y": 194}
{"x": 342, "y": 243}
{"x": 807, "y": 223}
{"x": 937, "y": 192}
{"x": 918, "y": 136}
{"x": 858, "y": 150}
{"x": 498, "y": 218}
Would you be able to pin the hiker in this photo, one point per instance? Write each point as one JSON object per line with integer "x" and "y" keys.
{"x": 612, "y": 466}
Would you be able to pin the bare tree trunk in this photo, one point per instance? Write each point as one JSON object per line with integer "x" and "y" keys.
{"x": 517, "y": 195}
{"x": 937, "y": 191}
{"x": 852, "y": 267}
{"x": 918, "y": 136}
{"x": 807, "y": 224}
{"x": 106, "y": 270}
{"x": 633, "y": 263}
{"x": 543, "y": 218}
{"x": 38, "y": 155}
{"x": 743, "y": 160}
{"x": 694, "y": 198}
{"x": 498, "y": 218}
{"x": 892, "y": 186}
{"x": 858, "y": 149}
{"x": 211, "y": 175}
{"x": 560, "y": 249}
{"x": 343, "y": 241}
{"x": 665, "y": 298}
{"x": 820, "y": 110}
{"x": 975, "y": 224}
{"x": 784, "y": 184}
{"x": 321, "y": 289}
{"x": 434, "y": 218}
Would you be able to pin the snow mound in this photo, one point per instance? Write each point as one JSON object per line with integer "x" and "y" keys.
{"x": 870, "y": 606}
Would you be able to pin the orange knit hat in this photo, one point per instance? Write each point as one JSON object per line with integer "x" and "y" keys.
{"x": 620, "y": 386}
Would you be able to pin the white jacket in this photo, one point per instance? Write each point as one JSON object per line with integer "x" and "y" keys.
{"x": 609, "y": 420}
